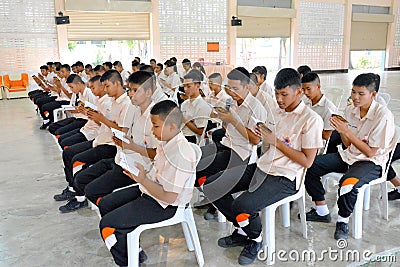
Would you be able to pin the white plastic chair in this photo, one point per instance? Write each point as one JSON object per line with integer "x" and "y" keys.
{"x": 183, "y": 215}
{"x": 268, "y": 221}
{"x": 364, "y": 192}
{"x": 384, "y": 97}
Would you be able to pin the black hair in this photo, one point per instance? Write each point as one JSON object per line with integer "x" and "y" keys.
{"x": 198, "y": 65}
{"x": 217, "y": 76}
{"x": 168, "y": 112}
{"x": 169, "y": 63}
{"x": 44, "y": 67}
{"x": 88, "y": 66}
{"x": 66, "y": 66}
{"x": 58, "y": 66}
{"x": 108, "y": 64}
{"x": 160, "y": 65}
{"x": 135, "y": 63}
{"x": 239, "y": 74}
{"x": 99, "y": 68}
{"x": 153, "y": 60}
{"x": 287, "y": 77}
{"x": 95, "y": 79}
{"x": 112, "y": 76}
{"x": 147, "y": 68}
{"x": 310, "y": 77}
{"x": 73, "y": 78}
{"x": 303, "y": 69}
{"x": 260, "y": 70}
{"x": 117, "y": 64}
{"x": 79, "y": 64}
{"x": 142, "y": 78}
{"x": 138, "y": 59}
{"x": 186, "y": 61}
{"x": 377, "y": 79}
{"x": 173, "y": 59}
{"x": 49, "y": 63}
{"x": 194, "y": 75}
{"x": 366, "y": 80}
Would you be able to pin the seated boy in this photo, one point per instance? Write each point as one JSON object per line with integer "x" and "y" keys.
{"x": 106, "y": 175}
{"x": 366, "y": 134}
{"x": 79, "y": 119}
{"x": 318, "y": 102}
{"x": 195, "y": 109}
{"x": 291, "y": 138}
{"x": 160, "y": 191}
{"x": 82, "y": 155}
{"x": 91, "y": 128}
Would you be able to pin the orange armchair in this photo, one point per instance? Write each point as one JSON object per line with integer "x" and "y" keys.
{"x": 16, "y": 88}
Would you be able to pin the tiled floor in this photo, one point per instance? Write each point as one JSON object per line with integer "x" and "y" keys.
{"x": 34, "y": 233}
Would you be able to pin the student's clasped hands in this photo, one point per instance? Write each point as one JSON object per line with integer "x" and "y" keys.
{"x": 339, "y": 125}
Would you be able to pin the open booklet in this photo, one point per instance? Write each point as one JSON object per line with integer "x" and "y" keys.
{"x": 120, "y": 135}
{"x": 128, "y": 164}
{"x": 68, "y": 107}
{"x": 90, "y": 106}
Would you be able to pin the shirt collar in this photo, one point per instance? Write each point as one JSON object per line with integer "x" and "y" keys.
{"x": 120, "y": 99}
{"x": 298, "y": 110}
{"x": 171, "y": 144}
{"x": 370, "y": 114}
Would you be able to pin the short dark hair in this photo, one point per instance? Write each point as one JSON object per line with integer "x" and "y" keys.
{"x": 303, "y": 69}
{"x": 138, "y": 59}
{"x": 198, "y": 65}
{"x": 135, "y": 63}
{"x": 108, "y": 64}
{"x": 95, "y": 79}
{"x": 58, "y": 66}
{"x": 49, "y": 63}
{"x": 161, "y": 66}
{"x": 117, "y": 64}
{"x": 153, "y": 60}
{"x": 142, "y": 78}
{"x": 366, "y": 80}
{"x": 217, "y": 76}
{"x": 194, "y": 75}
{"x": 66, "y": 66}
{"x": 99, "y": 68}
{"x": 173, "y": 59}
{"x": 147, "y": 68}
{"x": 310, "y": 77}
{"x": 79, "y": 64}
{"x": 260, "y": 70}
{"x": 88, "y": 66}
{"x": 168, "y": 112}
{"x": 112, "y": 76}
{"x": 73, "y": 78}
{"x": 377, "y": 79}
{"x": 44, "y": 67}
{"x": 169, "y": 63}
{"x": 186, "y": 61}
{"x": 239, "y": 74}
{"x": 287, "y": 77}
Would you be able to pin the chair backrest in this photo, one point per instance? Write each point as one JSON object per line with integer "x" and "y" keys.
{"x": 189, "y": 186}
{"x": 393, "y": 144}
{"x": 383, "y": 98}
{"x": 335, "y": 95}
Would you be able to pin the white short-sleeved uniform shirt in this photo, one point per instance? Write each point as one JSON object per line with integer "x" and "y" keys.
{"x": 325, "y": 108}
{"x": 298, "y": 129}
{"x": 91, "y": 128}
{"x": 267, "y": 88}
{"x": 248, "y": 113}
{"x": 174, "y": 165}
{"x": 158, "y": 95}
{"x": 125, "y": 76}
{"x": 174, "y": 80}
{"x": 376, "y": 129}
{"x": 141, "y": 135}
{"x": 197, "y": 110}
{"x": 121, "y": 114}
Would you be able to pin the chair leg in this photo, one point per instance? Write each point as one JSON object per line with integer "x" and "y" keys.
{"x": 367, "y": 197}
{"x": 357, "y": 214}
{"x": 285, "y": 214}
{"x": 385, "y": 200}
{"x": 186, "y": 232}
{"x": 133, "y": 249}
{"x": 194, "y": 236}
{"x": 302, "y": 208}
{"x": 269, "y": 234}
